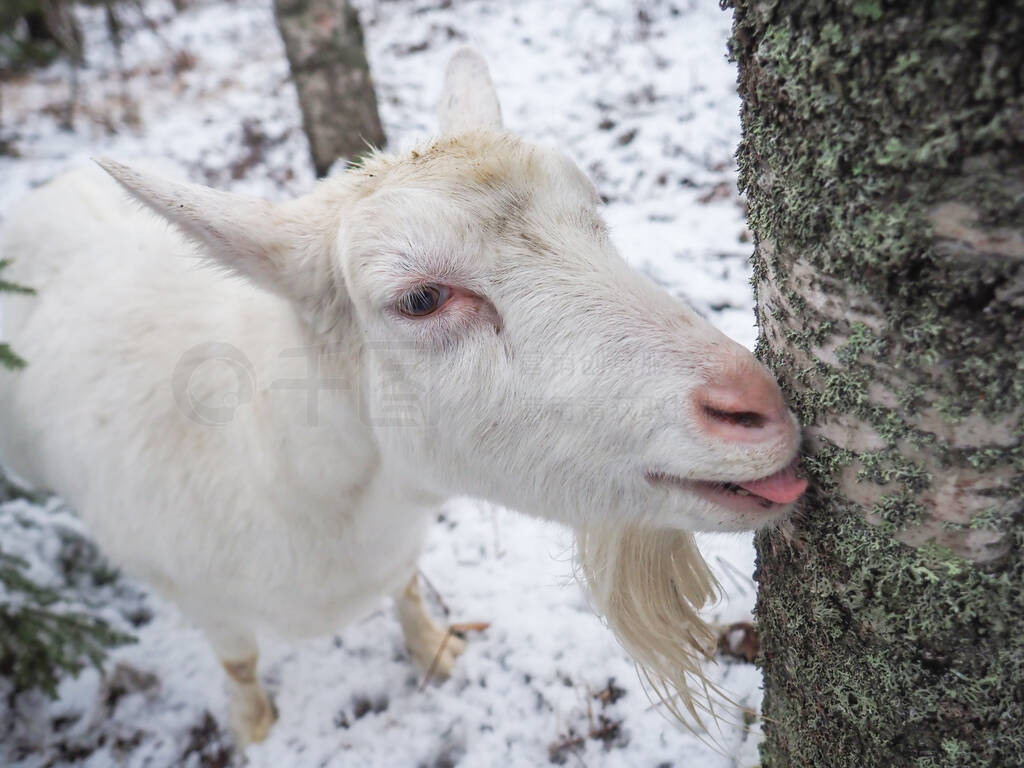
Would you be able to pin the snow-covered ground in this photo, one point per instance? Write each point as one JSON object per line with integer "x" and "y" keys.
{"x": 639, "y": 92}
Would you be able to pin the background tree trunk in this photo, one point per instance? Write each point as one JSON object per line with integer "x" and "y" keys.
{"x": 324, "y": 43}
{"x": 883, "y": 160}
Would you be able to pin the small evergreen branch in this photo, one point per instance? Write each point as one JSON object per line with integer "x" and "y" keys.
{"x": 15, "y": 288}
{"x": 8, "y": 359}
{"x": 40, "y": 642}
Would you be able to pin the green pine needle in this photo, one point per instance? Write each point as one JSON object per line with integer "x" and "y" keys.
{"x": 8, "y": 359}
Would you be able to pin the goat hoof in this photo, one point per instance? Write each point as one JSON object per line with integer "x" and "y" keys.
{"x": 440, "y": 665}
{"x": 252, "y": 720}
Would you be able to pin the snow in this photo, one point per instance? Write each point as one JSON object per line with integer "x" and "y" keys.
{"x": 641, "y": 95}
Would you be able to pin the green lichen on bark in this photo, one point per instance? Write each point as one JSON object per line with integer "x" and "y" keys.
{"x": 883, "y": 160}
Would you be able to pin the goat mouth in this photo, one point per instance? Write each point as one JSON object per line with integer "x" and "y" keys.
{"x": 771, "y": 493}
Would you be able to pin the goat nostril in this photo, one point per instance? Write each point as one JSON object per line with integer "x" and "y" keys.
{"x": 747, "y": 419}
{"x": 744, "y": 408}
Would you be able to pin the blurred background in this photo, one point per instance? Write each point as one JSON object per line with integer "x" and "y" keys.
{"x": 642, "y": 95}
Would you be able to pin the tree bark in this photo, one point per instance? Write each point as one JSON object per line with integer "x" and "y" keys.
{"x": 324, "y": 43}
{"x": 883, "y": 161}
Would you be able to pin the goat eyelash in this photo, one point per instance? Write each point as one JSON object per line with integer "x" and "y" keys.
{"x": 423, "y": 300}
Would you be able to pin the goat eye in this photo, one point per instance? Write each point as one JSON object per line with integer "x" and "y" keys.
{"x": 423, "y": 300}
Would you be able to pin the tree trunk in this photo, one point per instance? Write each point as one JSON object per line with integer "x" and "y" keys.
{"x": 883, "y": 160}
{"x": 324, "y": 43}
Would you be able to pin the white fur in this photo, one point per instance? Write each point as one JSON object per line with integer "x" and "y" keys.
{"x": 551, "y": 384}
{"x": 468, "y": 101}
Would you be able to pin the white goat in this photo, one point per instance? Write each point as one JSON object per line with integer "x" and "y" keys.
{"x": 268, "y": 452}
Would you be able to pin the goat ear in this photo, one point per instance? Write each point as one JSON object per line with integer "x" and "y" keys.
{"x": 468, "y": 100}
{"x": 249, "y": 236}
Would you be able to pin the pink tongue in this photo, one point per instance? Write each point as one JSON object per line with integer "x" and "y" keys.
{"x": 783, "y": 487}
